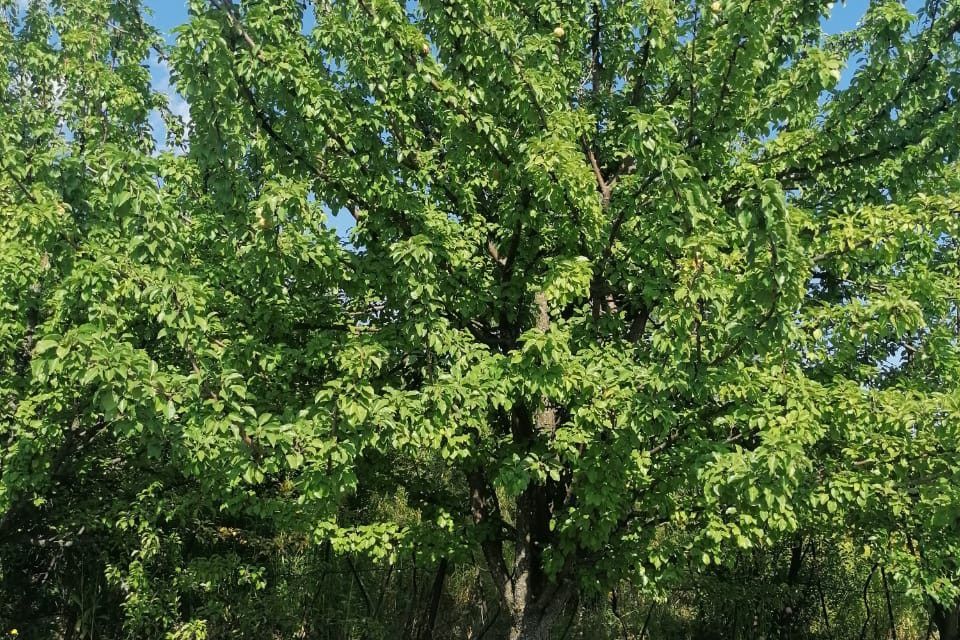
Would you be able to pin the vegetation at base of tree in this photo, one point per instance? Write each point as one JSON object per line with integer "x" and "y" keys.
{"x": 647, "y": 324}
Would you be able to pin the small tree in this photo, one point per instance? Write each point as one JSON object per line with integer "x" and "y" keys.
{"x": 628, "y": 286}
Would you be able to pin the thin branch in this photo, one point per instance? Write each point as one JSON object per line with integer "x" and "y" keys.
{"x": 19, "y": 183}
{"x": 736, "y": 345}
{"x": 886, "y": 591}
{"x": 363, "y": 590}
{"x": 602, "y": 185}
{"x": 620, "y": 219}
{"x": 866, "y": 601}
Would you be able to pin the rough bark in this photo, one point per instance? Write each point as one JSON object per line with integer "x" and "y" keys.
{"x": 947, "y": 620}
{"x": 532, "y": 599}
{"x": 535, "y": 616}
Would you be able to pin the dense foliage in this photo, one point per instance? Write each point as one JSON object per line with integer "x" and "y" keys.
{"x": 647, "y": 324}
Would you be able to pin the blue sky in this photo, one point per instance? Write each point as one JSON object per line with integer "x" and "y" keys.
{"x": 167, "y": 14}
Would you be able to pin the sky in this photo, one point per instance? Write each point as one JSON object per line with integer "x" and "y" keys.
{"x": 167, "y": 14}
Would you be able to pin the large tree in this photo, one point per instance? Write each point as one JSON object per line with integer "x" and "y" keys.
{"x": 626, "y": 284}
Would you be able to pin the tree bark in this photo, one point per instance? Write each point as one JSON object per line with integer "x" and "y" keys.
{"x": 533, "y": 616}
{"x": 435, "y": 594}
{"x": 947, "y": 620}
{"x": 530, "y": 600}
{"x": 534, "y": 601}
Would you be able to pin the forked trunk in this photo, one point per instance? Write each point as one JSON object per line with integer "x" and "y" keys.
{"x": 534, "y": 615}
{"x": 531, "y": 627}
{"x": 534, "y": 601}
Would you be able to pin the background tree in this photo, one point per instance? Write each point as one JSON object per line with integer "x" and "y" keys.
{"x": 637, "y": 295}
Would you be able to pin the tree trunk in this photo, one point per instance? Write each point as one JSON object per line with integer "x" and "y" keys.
{"x": 534, "y": 601}
{"x": 533, "y": 616}
{"x": 947, "y": 620}
{"x": 435, "y": 594}
{"x": 787, "y": 615}
{"x": 531, "y": 627}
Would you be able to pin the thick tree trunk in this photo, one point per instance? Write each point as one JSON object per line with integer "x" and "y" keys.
{"x": 533, "y": 616}
{"x": 947, "y": 620}
{"x": 531, "y": 627}
{"x": 534, "y": 602}
{"x": 529, "y": 599}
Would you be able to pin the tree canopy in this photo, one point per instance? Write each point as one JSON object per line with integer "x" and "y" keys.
{"x": 638, "y": 298}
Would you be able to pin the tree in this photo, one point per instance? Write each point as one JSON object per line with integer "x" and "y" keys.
{"x": 631, "y": 289}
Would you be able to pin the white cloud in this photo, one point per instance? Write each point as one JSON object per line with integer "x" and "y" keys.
{"x": 179, "y": 107}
